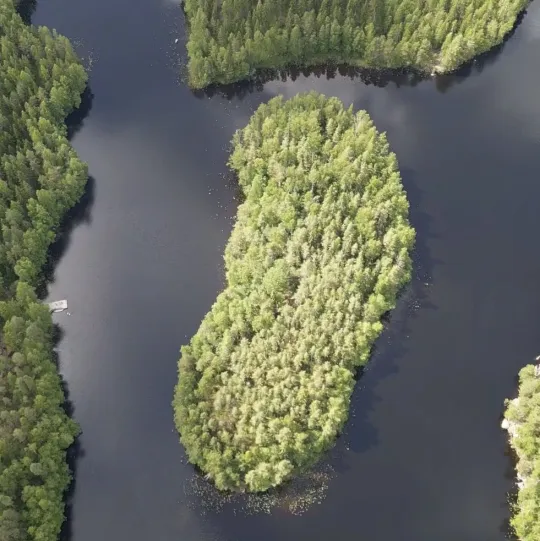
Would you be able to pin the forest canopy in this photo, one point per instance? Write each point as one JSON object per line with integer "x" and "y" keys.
{"x": 230, "y": 39}
{"x": 524, "y": 414}
{"x": 318, "y": 254}
{"x": 41, "y": 81}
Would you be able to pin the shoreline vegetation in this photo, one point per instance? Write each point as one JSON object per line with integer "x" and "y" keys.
{"x": 522, "y": 421}
{"x": 41, "y": 178}
{"x": 318, "y": 254}
{"x": 230, "y": 40}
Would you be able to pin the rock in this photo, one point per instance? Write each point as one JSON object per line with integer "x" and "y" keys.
{"x": 505, "y": 425}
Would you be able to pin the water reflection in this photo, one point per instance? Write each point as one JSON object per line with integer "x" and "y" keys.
{"x": 380, "y": 78}
{"x": 75, "y": 119}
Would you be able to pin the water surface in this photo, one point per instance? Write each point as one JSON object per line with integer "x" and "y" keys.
{"x": 423, "y": 457}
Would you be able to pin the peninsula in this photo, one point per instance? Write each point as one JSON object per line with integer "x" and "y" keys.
{"x": 230, "y": 39}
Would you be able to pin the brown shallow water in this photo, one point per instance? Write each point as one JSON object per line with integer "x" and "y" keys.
{"x": 423, "y": 457}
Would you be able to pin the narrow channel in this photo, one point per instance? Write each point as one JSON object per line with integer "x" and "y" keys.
{"x": 423, "y": 457}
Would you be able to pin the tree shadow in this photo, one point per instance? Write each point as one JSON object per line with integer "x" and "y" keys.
{"x": 79, "y": 214}
{"x": 74, "y": 454}
{"x": 359, "y": 434}
{"x": 75, "y": 120}
{"x": 75, "y": 451}
{"x": 368, "y": 76}
{"x": 512, "y": 495}
{"x": 26, "y": 8}
{"x": 81, "y": 211}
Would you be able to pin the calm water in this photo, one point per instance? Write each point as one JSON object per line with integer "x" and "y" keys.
{"x": 423, "y": 457}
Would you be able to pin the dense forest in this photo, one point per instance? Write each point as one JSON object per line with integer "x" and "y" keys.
{"x": 41, "y": 178}
{"x": 230, "y": 39}
{"x": 318, "y": 254}
{"x": 523, "y": 416}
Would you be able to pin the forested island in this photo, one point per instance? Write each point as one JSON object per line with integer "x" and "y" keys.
{"x": 522, "y": 420}
{"x": 230, "y": 39}
{"x": 41, "y": 81}
{"x": 318, "y": 254}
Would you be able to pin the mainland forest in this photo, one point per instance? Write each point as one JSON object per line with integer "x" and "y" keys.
{"x": 41, "y": 81}
{"x": 319, "y": 251}
{"x": 523, "y": 415}
{"x": 230, "y": 39}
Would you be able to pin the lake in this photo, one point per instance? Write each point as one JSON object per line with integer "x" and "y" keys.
{"x": 423, "y": 457}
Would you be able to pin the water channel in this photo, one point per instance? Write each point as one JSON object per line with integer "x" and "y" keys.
{"x": 423, "y": 457}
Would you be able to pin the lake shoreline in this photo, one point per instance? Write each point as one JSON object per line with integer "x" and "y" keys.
{"x": 522, "y": 427}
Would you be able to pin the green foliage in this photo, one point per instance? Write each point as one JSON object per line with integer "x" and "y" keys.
{"x": 230, "y": 39}
{"x": 525, "y": 415}
{"x": 318, "y": 254}
{"x": 41, "y": 177}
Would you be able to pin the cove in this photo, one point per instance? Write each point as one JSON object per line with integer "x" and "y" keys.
{"x": 426, "y": 455}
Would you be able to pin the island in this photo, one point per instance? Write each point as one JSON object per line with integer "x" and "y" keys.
{"x": 41, "y": 178}
{"x": 522, "y": 420}
{"x": 230, "y": 40}
{"x": 319, "y": 251}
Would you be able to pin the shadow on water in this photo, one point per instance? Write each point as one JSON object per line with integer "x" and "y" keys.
{"x": 512, "y": 495}
{"x": 75, "y": 120}
{"x": 75, "y": 451}
{"x": 368, "y": 76}
{"x": 359, "y": 434}
{"x": 375, "y": 77}
{"x": 26, "y": 9}
{"x": 79, "y": 214}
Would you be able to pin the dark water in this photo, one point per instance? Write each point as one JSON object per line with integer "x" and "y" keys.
{"x": 423, "y": 457}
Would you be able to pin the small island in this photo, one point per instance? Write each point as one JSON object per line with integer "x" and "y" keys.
{"x": 317, "y": 256}
{"x": 41, "y": 178}
{"x": 229, "y": 40}
{"x": 522, "y": 420}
